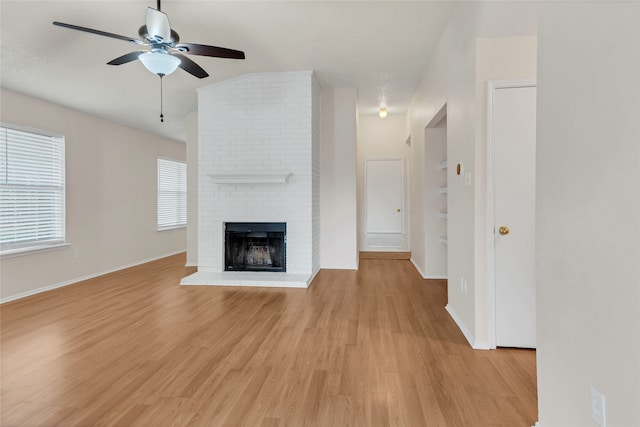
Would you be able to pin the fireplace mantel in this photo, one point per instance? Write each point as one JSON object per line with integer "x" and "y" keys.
{"x": 251, "y": 178}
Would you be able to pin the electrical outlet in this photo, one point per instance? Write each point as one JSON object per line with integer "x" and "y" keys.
{"x": 597, "y": 407}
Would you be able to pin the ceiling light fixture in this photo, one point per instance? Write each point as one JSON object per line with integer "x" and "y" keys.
{"x": 383, "y": 113}
{"x": 160, "y": 63}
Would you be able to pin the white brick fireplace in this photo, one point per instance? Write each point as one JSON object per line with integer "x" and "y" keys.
{"x": 259, "y": 161}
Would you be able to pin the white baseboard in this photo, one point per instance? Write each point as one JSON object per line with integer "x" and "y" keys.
{"x": 80, "y": 279}
{"x": 538, "y": 424}
{"x": 480, "y": 345}
{"x": 461, "y": 326}
{"x": 424, "y": 276}
{"x": 313, "y": 276}
{"x": 417, "y": 268}
{"x": 476, "y": 345}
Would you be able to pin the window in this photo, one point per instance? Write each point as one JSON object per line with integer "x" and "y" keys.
{"x": 31, "y": 190}
{"x": 172, "y": 194}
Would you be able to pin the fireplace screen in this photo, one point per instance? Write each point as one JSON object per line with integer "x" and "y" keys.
{"x": 255, "y": 246}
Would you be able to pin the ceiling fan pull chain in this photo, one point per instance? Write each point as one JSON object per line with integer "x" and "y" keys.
{"x": 161, "y": 115}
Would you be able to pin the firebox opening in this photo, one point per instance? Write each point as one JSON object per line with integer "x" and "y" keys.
{"x": 255, "y": 246}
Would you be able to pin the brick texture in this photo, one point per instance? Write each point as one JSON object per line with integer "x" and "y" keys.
{"x": 260, "y": 124}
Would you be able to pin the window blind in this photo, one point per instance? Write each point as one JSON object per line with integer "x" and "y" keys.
{"x": 172, "y": 194}
{"x": 32, "y": 190}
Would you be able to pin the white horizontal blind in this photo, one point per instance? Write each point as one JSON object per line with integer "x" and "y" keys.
{"x": 172, "y": 194}
{"x": 32, "y": 189}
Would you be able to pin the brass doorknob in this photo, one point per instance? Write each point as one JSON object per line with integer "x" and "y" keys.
{"x": 503, "y": 230}
{"x": 398, "y": 210}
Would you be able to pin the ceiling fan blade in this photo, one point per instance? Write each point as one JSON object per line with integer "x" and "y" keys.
{"x": 158, "y": 25}
{"x": 205, "y": 50}
{"x": 100, "y": 33}
{"x": 191, "y": 67}
{"x": 125, "y": 58}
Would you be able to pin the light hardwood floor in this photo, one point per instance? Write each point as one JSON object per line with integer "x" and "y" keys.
{"x": 367, "y": 348}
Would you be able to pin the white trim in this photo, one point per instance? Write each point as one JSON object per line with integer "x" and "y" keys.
{"x": 435, "y": 120}
{"x": 437, "y": 278}
{"x": 386, "y": 249}
{"x": 492, "y": 85}
{"x": 538, "y": 424}
{"x": 83, "y": 278}
{"x": 313, "y": 276}
{"x": 467, "y": 334}
{"x": 413, "y": 261}
{"x": 461, "y": 325}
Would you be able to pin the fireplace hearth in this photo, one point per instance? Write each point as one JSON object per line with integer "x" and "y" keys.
{"x": 255, "y": 246}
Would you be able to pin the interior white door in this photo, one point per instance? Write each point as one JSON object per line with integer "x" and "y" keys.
{"x": 384, "y": 192}
{"x": 514, "y": 145}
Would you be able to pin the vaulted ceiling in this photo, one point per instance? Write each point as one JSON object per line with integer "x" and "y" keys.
{"x": 381, "y": 48}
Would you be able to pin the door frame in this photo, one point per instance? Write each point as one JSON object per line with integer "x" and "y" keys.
{"x": 492, "y": 86}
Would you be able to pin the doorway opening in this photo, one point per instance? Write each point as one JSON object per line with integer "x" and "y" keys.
{"x": 436, "y": 198}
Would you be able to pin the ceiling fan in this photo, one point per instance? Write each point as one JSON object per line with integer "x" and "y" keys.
{"x": 165, "y": 52}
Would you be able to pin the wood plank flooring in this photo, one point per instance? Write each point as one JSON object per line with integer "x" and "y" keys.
{"x": 367, "y": 348}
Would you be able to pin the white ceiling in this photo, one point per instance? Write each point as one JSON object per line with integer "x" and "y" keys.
{"x": 381, "y": 48}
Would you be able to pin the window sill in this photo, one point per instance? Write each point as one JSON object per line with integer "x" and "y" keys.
{"x": 172, "y": 227}
{"x": 12, "y": 253}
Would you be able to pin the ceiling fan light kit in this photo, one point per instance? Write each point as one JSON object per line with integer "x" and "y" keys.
{"x": 160, "y": 63}
{"x": 165, "y": 55}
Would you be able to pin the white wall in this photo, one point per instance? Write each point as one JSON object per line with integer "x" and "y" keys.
{"x": 382, "y": 138}
{"x": 451, "y": 78}
{"x": 588, "y": 212}
{"x": 111, "y": 178}
{"x": 338, "y": 217}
